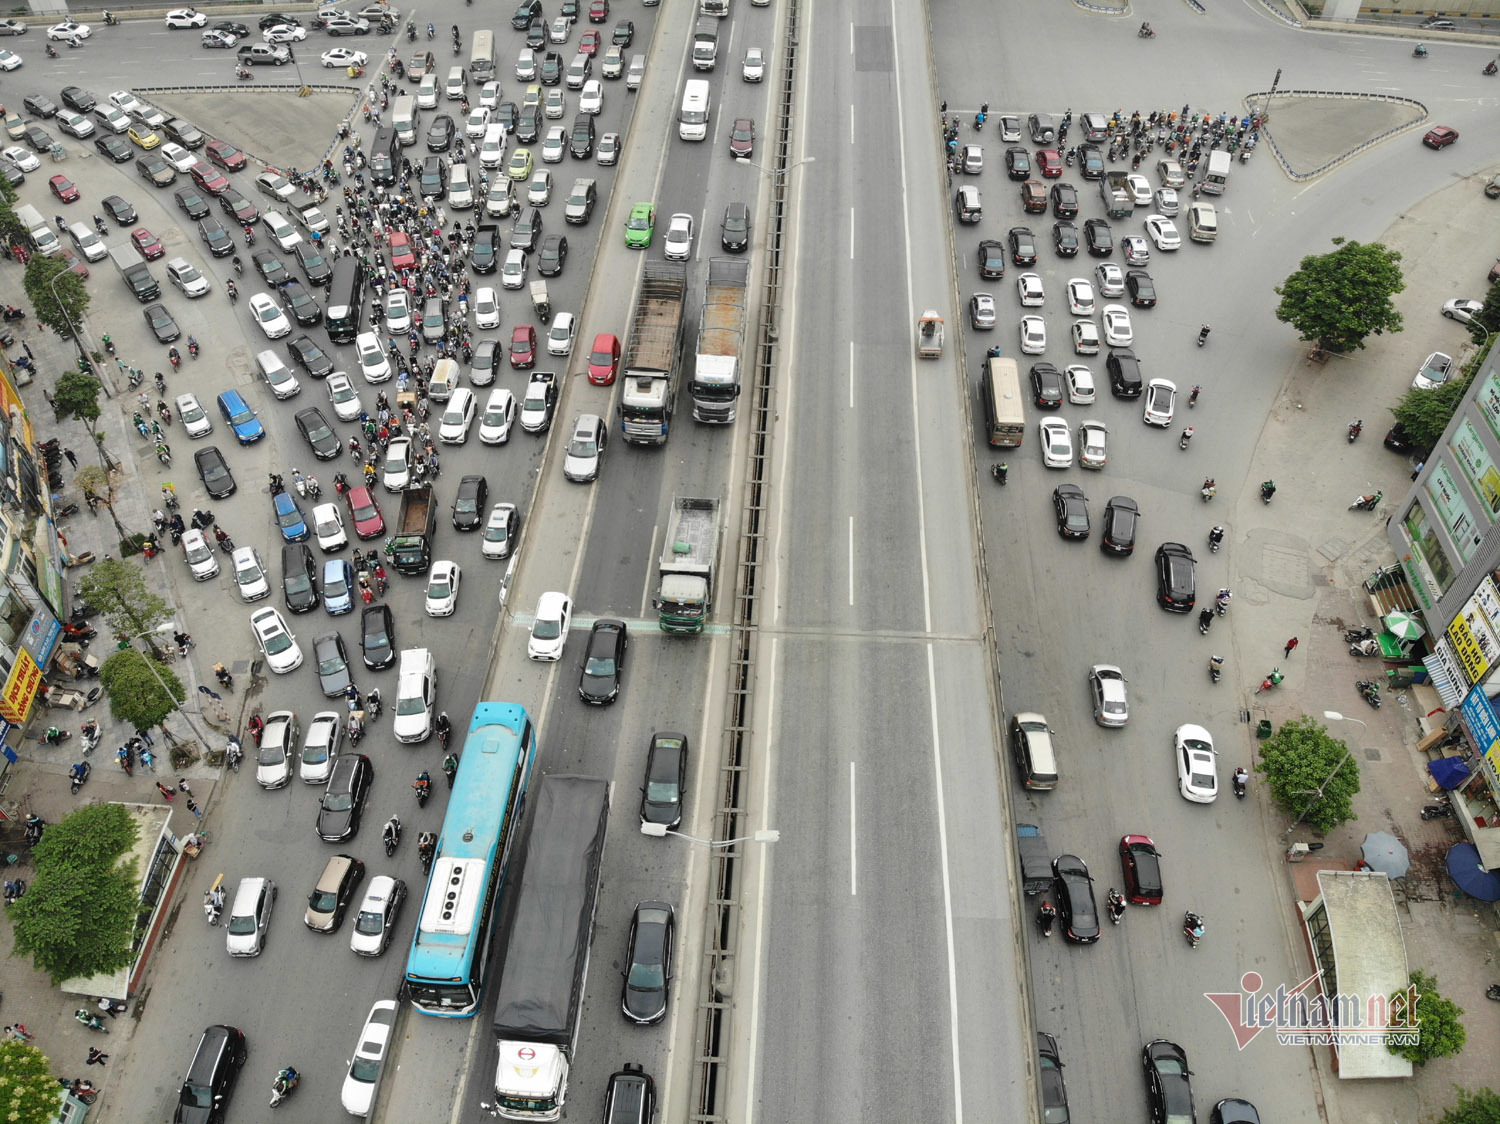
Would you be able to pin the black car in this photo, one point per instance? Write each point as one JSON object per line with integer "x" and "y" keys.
{"x": 1397, "y": 440}
{"x": 1050, "y": 1078}
{"x": 229, "y": 27}
{"x": 155, "y": 170}
{"x": 550, "y": 72}
{"x": 75, "y": 97}
{"x": 190, "y": 202}
{"x": 299, "y": 578}
{"x": 299, "y": 302}
{"x": 432, "y": 181}
{"x": 1074, "y": 889}
{"x": 506, "y": 113}
{"x": 1176, "y": 578}
{"x": 271, "y": 268}
{"x": 485, "y": 254}
{"x": 161, "y": 322}
{"x": 119, "y": 210}
{"x": 39, "y": 105}
{"x": 1065, "y": 239}
{"x": 278, "y": 19}
{"x": 1046, "y": 386}
{"x": 1022, "y": 246}
{"x": 1072, "y": 508}
{"x": 211, "y": 1076}
{"x": 527, "y": 231}
{"x": 581, "y": 140}
{"x": 529, "y": 124}
{"x": 344, "y": 799}
{"x": 1120, "y": 518}
{"x": 603, "y": 661}
{"x": 1142, "y": 291}
{"x": 1124, "y": 371}
{"x": 630, "y": 1096}
{"x": 311, "y": 358}
{"x": 1169, "y": 1086}
{"x": 113, "y": 147}
{"x": 237, "y": 207}
{"x": 318, "y": 434}
{"x": 469, "y": 503}
{"x": 991, "y": 260}
{"x": 377, "y": 637}
{"x": 12, "y": 174}
{"x": 214, "y": 472}
{"x": 648, "y": 963}
{"x": 1096, "y": 234}
{"x": 333, "y": 667}
{"x": 624, "y": 33}
{"x": 1017, "y": 163}
{"x": 1090, "y": 162}
{"x": 216, "y": 238}
{"x": 666, "y": 779}
{"x": 440, "y": 133}
{"x": 536, "y": 34}
{"x": 553, "y": 255}
{"x": 1232, "y": 1110}
{"x": 40, "y": 139}
{"x": 734, "y": 231}
{"x": 315, "y": 267}
{"x": 1064, "y": 201}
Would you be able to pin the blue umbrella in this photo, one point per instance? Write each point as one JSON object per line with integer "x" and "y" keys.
{"x": 1470, "y": 877}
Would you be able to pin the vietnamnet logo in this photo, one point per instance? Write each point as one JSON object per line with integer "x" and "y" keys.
{"x": 1304, "y": 1016}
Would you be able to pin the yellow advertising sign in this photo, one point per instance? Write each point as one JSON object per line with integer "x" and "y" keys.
{"x": 21, "y": 688}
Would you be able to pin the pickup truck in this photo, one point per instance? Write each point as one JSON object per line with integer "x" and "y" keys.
{"x": 263, "y": 54}
{"x": 539, "y": 402}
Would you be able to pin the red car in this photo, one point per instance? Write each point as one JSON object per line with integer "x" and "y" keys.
{"x": 523, "y": 347}
{"x": 1141, "y": 865}
{"x": 225, "y": 155}
{"x": 402, "y": 255}
{"x": 147, "y": 243}
{"x": 365, "y": 512}
{"x": 63, "y": 188}
{"x": 588, "y": 43}
{"x": 742, "y": 138}
{"x": 598, "y": 11}
{"x": 209, "y": 179}
{"x": 1049, "y": 162}
{"x": 604, "y": 359}
{"x": 1441, "y": 137}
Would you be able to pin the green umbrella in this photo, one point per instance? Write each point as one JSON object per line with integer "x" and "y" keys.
{"x": 1404, "y": 626}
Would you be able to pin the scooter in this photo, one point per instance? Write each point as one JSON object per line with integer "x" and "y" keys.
{"x": 1355, "y": 635}
{"x": 422, "y": 786}
{"x": 282, "y": 1087}
{"x": 1493, "y": 991}
{"x": 1192, "y": 928}
{"x": 1489, "y": 68}
{"x": 1215, "y": 537}
{"x": 1209, "y": 491}
{"x": 213, "y": 905}
{"x": 1000, "y": 472}
{"x": 1366, "y": 503}
{"x": 234, "y": 753}
{"x": 1215, "y": 668}
{"x": 1369, "y": 647}
{"x": 1205, "y": 621}
{"x": 1145, "y": 33}
{"x": 1116, "y": 905}
{"x": 89, "y": 736}
{"x": 1240, "y": 783}
{"x": 80, "y": 774}
{"x": 1267, "y": 490}
{"x": 1355, "y": 429}
{"x": 391, "y": 835}
{"x": 1369, "y": 690}
{"x": 1187, "y": 435}
{"x": 1272, "y": 680}
{"x": 1442, "y": 810}
{"x": 426, "y": 848}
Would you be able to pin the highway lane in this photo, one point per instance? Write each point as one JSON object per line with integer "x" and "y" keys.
{"x": 888, "y": 956}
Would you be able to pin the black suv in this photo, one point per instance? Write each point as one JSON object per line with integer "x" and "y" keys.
{"x": 526, "y": 234}
{"x": 210, "y": 1079}
{"x": 1064, "y": 201}
{"x": 581, "y": 144}
{"x": 1176, "y": 581}
{"x": 1124, "y": 373}
{"x": 485, "y": 253}
{"x": 525, "y": 12}
{"x": 630, "y": 1097}
{"x": 734, "y": 232}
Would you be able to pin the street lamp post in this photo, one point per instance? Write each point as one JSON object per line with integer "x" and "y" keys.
{"x": 780, "y": 173}
{"x": 658, "y": 830}
{"x": 78, "y": 340}
{"x": 150, "y": 666}
{"x": 1317, "y": 793}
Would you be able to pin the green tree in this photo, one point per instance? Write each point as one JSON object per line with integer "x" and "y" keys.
{"x": 29, "y": 1094}
{"x": 135, "y": 696}
{"x": 78, "y": 915}
{"x": 1487, "y": 319}
{"x": 76, "y": 395}
{"x": 12, "y": 229}
{"x": 1311, "y": 774}
{"x": 95, "y": 481}
{"x": 1335, "y": 300}
{"x": 57, "y": 294}
{"x": 1425, "y": 414}
{"x": 119, "y": 591}
{"x": 1440, "y": 1034}
{"x": 1474, "y": 1107}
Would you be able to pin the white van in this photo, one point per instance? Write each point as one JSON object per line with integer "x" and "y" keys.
{"x": 457, "y": 85}
{"x": 692, "y": 120}
{"x": 444, "y": 380}
{"x": 87, "y": 241}
{"x": 404, "y": 120}
{"x": 250, "y": 916}
{"x": 636, "y": 72}
{"x": 43, "y": 237}
{"x": 492, "y": 147}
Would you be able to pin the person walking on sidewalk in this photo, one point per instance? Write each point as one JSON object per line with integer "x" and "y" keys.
{"x": 72, "y": 460}
{"x": 182, "y": 786}
{"x": 1290, "y": 647}
{"x": 165, "y": 791}
{"x": 194, "y": 809}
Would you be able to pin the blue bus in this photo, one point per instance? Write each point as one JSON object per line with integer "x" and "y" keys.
{"x": 451, "y": 950}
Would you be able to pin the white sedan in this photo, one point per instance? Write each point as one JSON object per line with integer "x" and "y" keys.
{"x": 345, "y": 398}
{"x": 1139, "y": 188}
{"x": 344, "y": 56}
{"x": 679, "y": 238}
{"x": 591, "y": 99}
{"x": 476, "y": 122}
{"x": 1107, "y": 685}
{"x": 1461, "y": 309}
{"x": 1092, "y": 439}
{"x": 69, "y": 30}
{"x": 268, "y": 315}
{"x": 194, "y": 420}
{"x": 358, "y": 1094}
{"x": 328, "y": 527}
{"x": 273, "y": 761}
{"x": 179, "y": 157}
{"x": 1080, "y": 382}
{"x": 375, "y": 924}
{"x": 398, "y": 310}
{"x": 1033, "y": 335}
{"x": 396, "y": 472}
{"x": 755, "y": 65}
{"x": 185, "y": 17}
{"x": 549, "y": 632}
{"x": 486, "y": 308}
{"x": 372, "y": 360}
{"x": 1111, "y": 279}
{"x": 200, "y": 556}
{"x": 126, "y": 101}
{"x": 1163, "y": 232}
{"x": 1031, "y": 291}
{"x": 1057, "y": 443}
{"x": 9, "y": 60}
{"x": 1080, "y": 297}
{"x": 22, "y": 158}
{"x": 276, "y": 642}
{"x": 320, "y": 745}
{"x": 1197, "y": 764}
{"x": 499, "y": 414}
{"x": 284, "y": 33}
{"x": 1117, "y": 329}
{"x": 1085, "y": 337}
{"x": 1160, "y": 402}
{"x": 513, "y": 272}
{"x": 442, "y": 589}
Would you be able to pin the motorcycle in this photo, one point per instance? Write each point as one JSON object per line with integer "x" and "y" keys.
{"x": 109, "y": 344}
{"x": 1493, "y": 991}
{"x": 243, "y": 73}
{"x": 392, "y": 836}
{"x": 1369, "y": 690}
{"x": 257, "y": 726}
{"x": 54, "y": 736}
{"x": 422, "y": 786}
{"x": 1210, "y": 489}
{"x": 213, "y": 905}
{"x": 1145, "y": 33}
{"x": 286, "y": 1081}
{"x": 51, "y": 51}
{"x": 411, "y": 32}
{"x": 1272, "y": 680}
{"x": 1187, "y": 435}
{"x": 1489, "y": 68}
{"x": 1215, "y": 668}
{"x": 1355, "y": 635}
{"x": 1192, "y": 928}
{"x": 1215, "y": 537}
{"x": 1355, "y": 429}
{"x": 192, "y": 347}
{"x": 1419, "y": 52}
{"x": 1116, "y": 905}
{"x": 431, "y": 31}
{"x": 89, "y": 736}
{"x": 1367, "y": 503}
{"x": 1240, "y": 783}
{"x": 373, "y": 705}
{"x": 300, "y": 483}
{"x": 1267, "y": 490}
{"x": 1221, "y": 602}
{"x": 1203, "y": 335}
{"x": 1000, "y": 472}
{"x": 426, "y": 848}
{"x": 1369, "y": 647}
{"x": 174, "y": 357}
{"x": 234, "y": 753}
{"x": 1442, "y": 810}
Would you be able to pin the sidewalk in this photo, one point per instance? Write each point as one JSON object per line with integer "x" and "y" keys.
{"x": 1298, "y": 566}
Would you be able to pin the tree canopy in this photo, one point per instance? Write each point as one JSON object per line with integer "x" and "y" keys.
{"x": 1474, "y": 1107}
{"x": 57, "y": 294}
{"x": 1311, "y": 774}
{"x": 1439, "y": 1032}
{"x": 1337, "y": 299}
{"x": 118, "y": 590}
{"x": 29, "y": 1094}
{"x": 135, "y": 697}
{"x": 1425, "y": 414}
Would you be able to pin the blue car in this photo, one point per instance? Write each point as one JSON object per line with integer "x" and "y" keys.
{"x": 338, "y": 587}
{"x": 241, "y": 417}
{"x": 289, "y": 518}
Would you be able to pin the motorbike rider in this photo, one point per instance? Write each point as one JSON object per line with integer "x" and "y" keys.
{"x": 1222, "y": 600}
{"x": 1046, "y": 914}
{"x": 444, "y": 728}
{"x": 1192, "y": 925}
{"x": 1216, "y": 536}
{"x": 78, "y": 772}
{"x": 287, "y": 1080}
{"x": 1187, "y": 435}
{"x": 1146, "y": 30}
{"x": 391, "y": 833}
{"x": 1205, "y": 620}
{"x": 423, "y": 784}
{"x": 450, "y": 767}
{"x": 426, "y": 845}
{"x": 1116, "y": 905}
{"x": 1210, "y": 487}
{"x": 1203, "y": 334}
{"x": 1241, "y": 779}
{"x": 1267, "y": 489}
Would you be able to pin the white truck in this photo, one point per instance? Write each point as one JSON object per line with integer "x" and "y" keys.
{"x": 721, "y": 337}
{"x": 689, "y": 559}
{"x": 652, "y": 354}
{"x": 1219, "y": 163}
{"x": 705, "y": 43}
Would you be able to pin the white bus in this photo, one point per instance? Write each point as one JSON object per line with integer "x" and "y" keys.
{"x": 482, "y": 57}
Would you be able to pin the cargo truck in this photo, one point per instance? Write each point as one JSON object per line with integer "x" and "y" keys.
{"x": 136, "y": 273}
{"x": 43, "y": 238}
{"x": 721, "y": 335}
{"x": 652, "y": 354}
{"x": 1116, "y": 196}
{"x": 689, "y": 557}
{"x": 1219, "y": 163}
{"x": 705, "y": 43}
{"x": 540, "y": 1000}
{"x": 411, "y": 548}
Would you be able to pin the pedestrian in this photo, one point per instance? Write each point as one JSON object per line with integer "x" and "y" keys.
{"x": 165, "y": 791}
{"x": 26, "y": 347}
{"x": 72, "y": 460}
{"x": 19, "y": 1032}
{"x": 148, "y": 760}
{"x": 194, "y": 809}
{"x": 145, "y": 735}
{"x": 97, "y": 1057}
{"x": 1290, "y": 644}
{"x": 1418, "y": 470}
{"x": 182, "y": 786}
